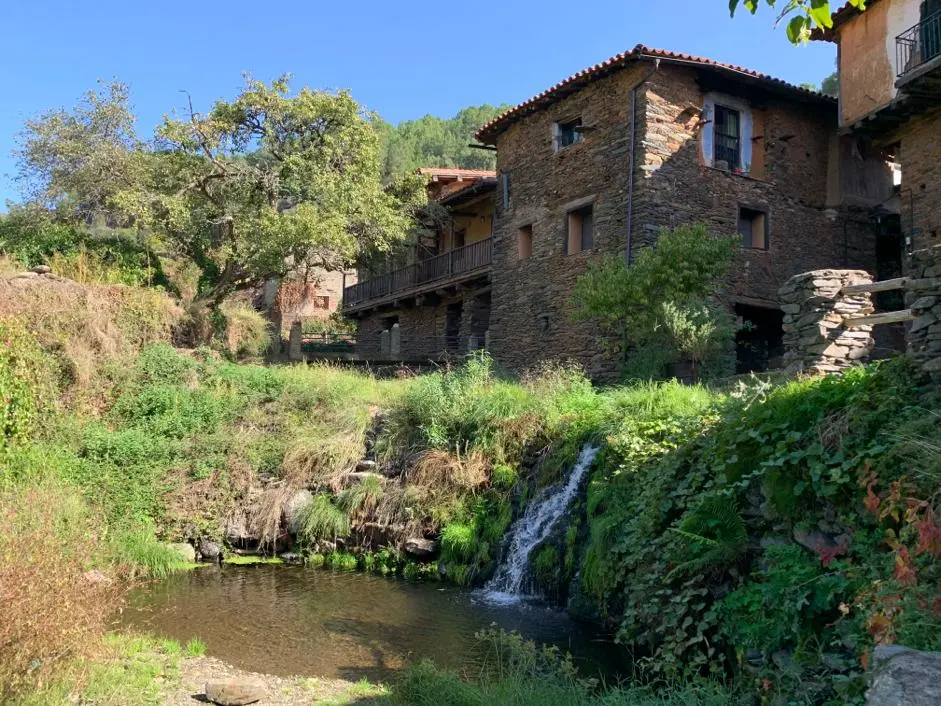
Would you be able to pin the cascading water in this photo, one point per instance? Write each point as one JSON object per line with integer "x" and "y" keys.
{"x": 533, "y": 528}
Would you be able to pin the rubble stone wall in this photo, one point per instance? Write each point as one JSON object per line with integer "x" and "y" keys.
{"x": 923, "y": 297}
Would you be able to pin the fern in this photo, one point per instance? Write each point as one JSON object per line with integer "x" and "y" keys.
{"x": 716, "y": 531}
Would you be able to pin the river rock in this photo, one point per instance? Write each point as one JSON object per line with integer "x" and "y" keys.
{"x": 904, "y": 677}
{"x": 41, "y": 269}
{"x": 358, "y": 477}
{"x": 186, "y": 551}
{"x": 234, "y": 692}
{"x": 421, "y": 548}
{"x": 209, "y": 550}
{"x": 366, "y": 465}
{"x": 292, "y": 514}
{"x": 238, "y": 529}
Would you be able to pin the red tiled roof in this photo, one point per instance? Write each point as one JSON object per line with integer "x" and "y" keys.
{"x": 488, "y": 132}
{"x": 455, "y": 172}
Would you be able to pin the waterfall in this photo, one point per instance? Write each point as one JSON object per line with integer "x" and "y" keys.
{"x": 533, "y": 528}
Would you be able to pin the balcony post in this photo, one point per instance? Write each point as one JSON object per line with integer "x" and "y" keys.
{"x": 451, "y": 261}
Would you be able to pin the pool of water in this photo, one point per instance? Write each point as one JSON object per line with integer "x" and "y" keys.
{"x": 288, "y": 621}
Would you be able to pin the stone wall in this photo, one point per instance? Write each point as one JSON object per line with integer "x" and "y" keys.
{"x": 923, "y": 297}
{"x": 788, "y": 181}
{"x": 815, "y": 339}
{"x": 424, "y": 328}
{"x": 531, "y": 309}
{"x": 920, "y": 157}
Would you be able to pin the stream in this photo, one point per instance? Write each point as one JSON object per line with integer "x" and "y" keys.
{"x": 288, "y": 620}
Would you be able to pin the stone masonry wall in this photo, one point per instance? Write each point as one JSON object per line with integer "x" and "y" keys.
{"x": 815, "y": 339}
{"x": 423, "y": 328}
{"x": 923, "y": 297}
{"x": 531, "y": 318}
{"x": 920, "y": 157}
{"x": 790, "y": 154}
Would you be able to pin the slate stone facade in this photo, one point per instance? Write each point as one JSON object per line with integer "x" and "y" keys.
{"x": 672, "y": 184}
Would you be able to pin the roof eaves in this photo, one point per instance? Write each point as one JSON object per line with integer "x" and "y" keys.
{"x": 487, "y": 134}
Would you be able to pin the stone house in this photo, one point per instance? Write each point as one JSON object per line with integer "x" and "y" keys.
{"x": 889, "y": 60}
{"x": 600, "y": 162}
{"x": 437, "y": 303}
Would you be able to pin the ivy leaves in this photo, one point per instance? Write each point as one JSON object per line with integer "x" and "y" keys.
{"x": 807, "y": 15}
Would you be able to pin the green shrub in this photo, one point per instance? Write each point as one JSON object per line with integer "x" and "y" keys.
{"x": 458, "y": 542}
{"x": 25, "y": 383}
{"x": 246, "y": 332}
{"x": 322, "y": 520}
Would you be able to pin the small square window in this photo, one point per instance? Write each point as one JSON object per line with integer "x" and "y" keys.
{"x": 580, "y": 231}
{"x": 568, "y": 133}
{"x": 524, "y": 242}
{"x": 753, "y": 226}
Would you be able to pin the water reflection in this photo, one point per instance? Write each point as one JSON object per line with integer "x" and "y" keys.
{"x": 295, "y": 621}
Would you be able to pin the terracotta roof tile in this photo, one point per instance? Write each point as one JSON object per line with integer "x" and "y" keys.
{"x": 488, "y": 132}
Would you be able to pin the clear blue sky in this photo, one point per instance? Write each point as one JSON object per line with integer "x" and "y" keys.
{"x": 402, "y": 59}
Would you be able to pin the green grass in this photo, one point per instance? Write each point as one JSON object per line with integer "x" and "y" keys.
{"x": 250, "y": 560}
{"x": 132, "y": 670}
{"x": 194, "y": 648}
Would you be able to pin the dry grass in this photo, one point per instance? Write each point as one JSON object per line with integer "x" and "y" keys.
{"x": 86, "y": 326}
{"x": 54, "y": 606}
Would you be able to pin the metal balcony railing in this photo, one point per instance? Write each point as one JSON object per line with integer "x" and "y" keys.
{"x": 917, "y": 46}
{"x": 459, "y": 261}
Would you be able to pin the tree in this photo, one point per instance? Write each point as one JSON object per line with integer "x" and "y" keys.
{"x": 264, "y": 184}
{"x": 437, "y": 142}
{"x": 660, "y": 308}
{"x": 831, "y": 85}
{"x": 805, "y": 14}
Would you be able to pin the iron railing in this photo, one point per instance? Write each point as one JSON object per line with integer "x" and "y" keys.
{"x": 459, "y": 261}
{"x": 918, "y": 45}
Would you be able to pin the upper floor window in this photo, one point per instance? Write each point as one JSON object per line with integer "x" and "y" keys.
{"x": 568, "y": 133}
{"x": 727, "y": 138}
{"x": 727, "y": 133}
{"x": 580, "y": 231}
{"x": 524, "y": 242}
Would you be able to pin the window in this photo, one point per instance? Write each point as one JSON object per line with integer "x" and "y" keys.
{"x": 727, "y": 136}
{"x": 580, "y": 231}
{"x": 506, "y": 190}
{"x": 460, "y": 237}
{"x": 568, "y": 133}
{"x": 753, "y": 225}
{"x": 524, "y": 241}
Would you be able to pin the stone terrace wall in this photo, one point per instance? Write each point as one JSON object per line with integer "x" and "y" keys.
{"x": 814, "y": 336}
{"x": 923, "y": 297}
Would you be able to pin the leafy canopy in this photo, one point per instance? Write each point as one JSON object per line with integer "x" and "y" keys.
{"x": 804, "y": 15}
{"x": 662, "y": 299}
{"x": 265, "y": 183}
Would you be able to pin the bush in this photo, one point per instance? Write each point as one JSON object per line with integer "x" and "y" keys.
{"x": 25, "y": 383}
{"x": 659, "y": 308}
{"x": 246, "y": 332}
{"x": 54, "y": 603}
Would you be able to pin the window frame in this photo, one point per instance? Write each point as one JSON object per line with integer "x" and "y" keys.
{"x": 563, "y": 127}
{"x": 757, "y": 211}
{"x": 524, "y": 232}
{"x": 719, "y": 136}
{"x": 580, "y": 212}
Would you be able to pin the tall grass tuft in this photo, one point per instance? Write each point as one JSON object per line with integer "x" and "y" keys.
{"x": 138, "y": 552}
{"x": 322, "y": 520}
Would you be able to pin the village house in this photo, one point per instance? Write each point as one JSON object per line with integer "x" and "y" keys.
{"x": 648, "y": 139}
{"x": 437, "y": 303}
{"x": 889, "y": 60}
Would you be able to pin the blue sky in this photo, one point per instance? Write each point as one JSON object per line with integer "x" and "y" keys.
{"x": 403, "y": 59}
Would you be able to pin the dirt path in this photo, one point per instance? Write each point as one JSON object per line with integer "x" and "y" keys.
{"x": 188, "y": 689}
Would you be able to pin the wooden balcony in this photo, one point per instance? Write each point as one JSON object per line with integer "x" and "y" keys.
{"x": 448, "y": 269}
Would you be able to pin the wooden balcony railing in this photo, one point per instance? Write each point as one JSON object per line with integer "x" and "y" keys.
{"x": 463, "y": 260}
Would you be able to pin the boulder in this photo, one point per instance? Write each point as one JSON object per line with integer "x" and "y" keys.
{"x": 904, "y": 677}
{"x": 234, "y": 692}
{"x": 41, "y": 269}
{"x": 186, "y": 551}
{"x": 292, "y": 513}
{"x": 366, "y": 466}
{"x": 421, "y": 548}
{"x": 237, "y": 529}
{"x": 358, "y": 477}
{"x": 209, "y": 550}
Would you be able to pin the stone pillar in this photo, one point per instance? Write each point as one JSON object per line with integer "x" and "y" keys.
{"x": 395, "y": 341}
{"x": 487, "y": 339}
{"x": 294, "y": 348}
{"x": 471, "y": 343}
{"x": 923, "y": 297}
{"x": 384, "y": 343}
{"x": 815, "y": 339}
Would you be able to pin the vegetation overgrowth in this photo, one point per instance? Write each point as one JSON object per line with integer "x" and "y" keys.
{"x": 768, "y": 535}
